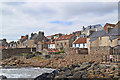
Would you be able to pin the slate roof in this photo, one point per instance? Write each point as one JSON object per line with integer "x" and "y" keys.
{"x": 80, "y": 40}
{"x": 112, "y": 32}
{"x": 93, "y": 26}
{"x": 92, "y": 39}
{"x": 37, "y": 38}
{"x": 113, "y": 37}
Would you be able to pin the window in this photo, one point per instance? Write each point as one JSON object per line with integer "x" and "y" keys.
{"x": 65, "y": 43}
{"x": 79, "y": 45}
{"x": 61, "y": 44}
{"x": 74, "y": 45}
{"x": 100, "y": 38}
{"x": 83, "y": 45}
{"x": 111, "y": 40}
{"x": 57, "y": 44}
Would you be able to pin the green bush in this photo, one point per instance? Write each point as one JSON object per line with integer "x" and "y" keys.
{"x": 57, "y": 53}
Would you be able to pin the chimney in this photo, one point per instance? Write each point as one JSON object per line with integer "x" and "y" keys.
{"x": 83, "y": 28}
{"x": 27, "y": 36}
{"x": 22, "y": 37}
{"x": 32, "y": 34}
{"x": 42, "y": 33}
{"x": 4, "y": 40}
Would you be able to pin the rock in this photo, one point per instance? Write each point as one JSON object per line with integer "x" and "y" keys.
{"x": 62, "y": 69}
{"x": 70, "y": 77}
{"x": 43, "y": 76}
{"x": 77, "y": 75}
{"x": 67, "y": 73}
{"x": 3, "y": 77}
{"x": 72, "y": 67}
{"x": 85, "y": 63}
{"x": 111, "y": 75}
{"x": 55, "y": 72}
{"x": 112, "y": 68}
{"x": 60, "y": 77}
{"x": 50, "y": 76}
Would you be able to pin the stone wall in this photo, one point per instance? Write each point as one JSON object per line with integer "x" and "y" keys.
{"x": 6, "y": 53}
{"x": 103, "y": 50}
{"x": 76, "y": 51}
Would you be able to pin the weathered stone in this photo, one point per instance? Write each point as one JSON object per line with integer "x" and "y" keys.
{"x": 67, "y": 73}
{"x": 77, "y": 75}
{"x": 43, "y": 76}
{"x": 112, "y": 68}
{"x": 50, "y": 76}
{"x": 3, "y": 77}
{"x": 60, "y": 77}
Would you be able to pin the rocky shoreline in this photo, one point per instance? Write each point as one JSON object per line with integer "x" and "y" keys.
{"x": 68, "y": 66}
{"x": 86, "y": 70}
{"x": 56, "y": 62}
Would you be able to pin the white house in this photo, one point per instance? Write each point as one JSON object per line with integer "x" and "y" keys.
{"x": 51, "y": 45}
{"x": 80, "y": 42}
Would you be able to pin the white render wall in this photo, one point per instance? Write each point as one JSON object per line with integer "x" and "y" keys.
{"x": 51, "y": 46}
{"x": 81, "y": 45}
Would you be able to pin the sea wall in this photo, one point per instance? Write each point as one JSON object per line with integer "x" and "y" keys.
{"x": 6, "y": 53}
{"x": 103, "y": 50}
{"x": 76, "y": 51}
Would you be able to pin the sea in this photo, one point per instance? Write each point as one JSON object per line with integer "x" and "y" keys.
{"x": 24, "y": 72}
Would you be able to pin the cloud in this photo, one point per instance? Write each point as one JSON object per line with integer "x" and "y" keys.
{"x": 54, "y": 17}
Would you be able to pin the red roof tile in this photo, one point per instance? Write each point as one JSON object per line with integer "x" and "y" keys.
{"x": 80, "y": 40}
{"x": 65, "y": 37}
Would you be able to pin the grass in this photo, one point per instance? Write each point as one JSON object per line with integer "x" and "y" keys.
{"x": 61, "y": 53}
{"x": 24, "y": 54}
{"x": 36, "y": 57}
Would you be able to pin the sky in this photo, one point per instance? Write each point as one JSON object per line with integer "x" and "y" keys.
{"x": 21, "y": 18}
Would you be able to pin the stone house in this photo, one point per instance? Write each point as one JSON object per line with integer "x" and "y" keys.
{"x": 80, "y": 43}
{"x": 12, "y": 44}
{"x": 105, "y": 38}
{"x": 42, "y": 44}
{"x": 3, "y": 44}
{"x": 65, "y": 41}
{"x": 22, "y": 43}
{"x": 35, "y": 39}
{"x": 86, "y": 31}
